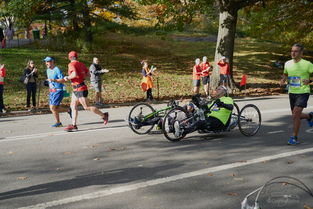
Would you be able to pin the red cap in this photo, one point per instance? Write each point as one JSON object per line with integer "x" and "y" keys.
{"x": 72, "y": 54}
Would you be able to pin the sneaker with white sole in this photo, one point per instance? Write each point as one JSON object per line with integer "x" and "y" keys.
{"x": 293, "y": 140}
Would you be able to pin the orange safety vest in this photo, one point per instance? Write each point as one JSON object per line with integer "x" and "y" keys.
{"x": 146, "y": 82}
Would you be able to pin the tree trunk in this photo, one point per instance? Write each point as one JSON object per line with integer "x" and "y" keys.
{"x": 225, "y": 43}
{"x": 87, "y": 24}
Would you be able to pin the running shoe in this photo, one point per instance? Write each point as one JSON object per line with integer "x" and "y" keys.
{"x": 293, "y": 140}
{"x": 310, "y": 121}
{"x": 105, "y": 118}
{"x": 71, "y": 128}
{"x": 57, "y": 125}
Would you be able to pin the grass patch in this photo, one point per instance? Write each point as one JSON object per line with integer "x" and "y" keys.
{"x": 122, "y": 54}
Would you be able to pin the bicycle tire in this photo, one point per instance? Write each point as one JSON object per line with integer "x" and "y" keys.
{"x": 249, "y": 120}
{"x": 234, "y": 117}
{"x": 168, "y": 124}
{"x": 138, "y": 129}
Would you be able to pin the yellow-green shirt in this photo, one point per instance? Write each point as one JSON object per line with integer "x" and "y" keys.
{"x": 297, "y": 72}
{"x": 221, "y": 113}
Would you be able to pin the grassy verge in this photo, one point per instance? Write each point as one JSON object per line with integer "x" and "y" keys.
{"x": 122, "y": 54}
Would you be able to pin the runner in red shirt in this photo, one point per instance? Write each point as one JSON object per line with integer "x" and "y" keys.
{"x": 196, "y": 72}
{"x": 205, "y": 74}
{"x": 224, "y": 71}
{"x": 77, "y": 72}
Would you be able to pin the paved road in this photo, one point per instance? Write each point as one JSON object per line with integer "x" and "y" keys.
{"x": 110, "y": 167}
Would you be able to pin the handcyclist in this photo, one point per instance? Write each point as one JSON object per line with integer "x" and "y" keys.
{"x": 217, "y": 113}
{"x": 298, "y": 72}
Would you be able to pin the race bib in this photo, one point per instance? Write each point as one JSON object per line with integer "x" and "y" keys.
{"x": 215, "y": 108}
{"x": 294, "y": 81}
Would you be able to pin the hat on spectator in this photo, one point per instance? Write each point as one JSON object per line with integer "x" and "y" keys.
{"x": 48, "y": 59}
{"x": 72, "y": 54}
{"x": 222, "y": 58}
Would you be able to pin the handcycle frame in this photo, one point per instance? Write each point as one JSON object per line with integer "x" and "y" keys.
{"x": 148, "y": 120}
{"x": 237, "y": 118}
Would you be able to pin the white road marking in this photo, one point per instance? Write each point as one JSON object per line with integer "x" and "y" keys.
{"x": 310, "y": 131}
{"x": 136, "y": 186}
{"x": 57, "y": 133}
{"x": 275, "y": 132}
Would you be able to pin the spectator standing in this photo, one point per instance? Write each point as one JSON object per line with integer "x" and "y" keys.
{"x": 224, "y": 71}
{"x": 298, "y": 72}
{"x": 205, "y": 74}
{"x": 196, "y": 73}
{"x": 55, "y": 79}
{"x": 147, "y": 82}
{"x": 77, "y": 72}
{"x": 96, "y": 81}
{"x": 30, "y": 72}
{"x": 2, "y": 75}
{"x": 1, "y": 37}
{"x": 9, "y": 32}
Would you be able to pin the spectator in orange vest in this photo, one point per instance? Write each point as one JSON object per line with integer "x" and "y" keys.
{"x": 196, "y": 73}
{"x": 146, "y": 82}
{"x": 205, "y": 74}
{"x": 2, "y": 75}
{"x": 224, "y": 71}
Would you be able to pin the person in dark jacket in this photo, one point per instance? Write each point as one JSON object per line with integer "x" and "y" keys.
{"x": 30, "y": 72}
{"x": 95, "y": 78}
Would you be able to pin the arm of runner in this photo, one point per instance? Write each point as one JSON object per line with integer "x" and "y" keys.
{"x": 283, "y": 79}
{"x": 71, "y": 76}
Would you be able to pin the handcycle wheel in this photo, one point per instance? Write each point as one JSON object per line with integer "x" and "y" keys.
{"x": 234, "y": 117}
{"x": 172, "y": 124}
{"x": 249, "y": 120}
{"x": 138, "y": 116}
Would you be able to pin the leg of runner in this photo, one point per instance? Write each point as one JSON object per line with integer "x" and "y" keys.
{"x": 55, "y": 111}
{"x": 84, "y": 102}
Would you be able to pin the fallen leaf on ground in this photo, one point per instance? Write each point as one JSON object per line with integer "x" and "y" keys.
{"x": 11, "y": 153}
{"x": 290, "y": 162}
{"x": 210, "y": 174}
{"x": 22, "y": 178}
{"x": 307, "y": 207}
{"x": 232, "y": 194}
{"x": 96, "y": 158}
{"x": 233, "y": 174}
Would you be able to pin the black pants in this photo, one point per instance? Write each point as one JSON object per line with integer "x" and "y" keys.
{"x": 149, "y": 94}
{"x": 1, "y": 98}
{"x": 31, "y": 92}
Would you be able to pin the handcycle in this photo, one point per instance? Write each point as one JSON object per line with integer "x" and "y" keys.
{"x": 143, "y": 117}
{"x": 284, "y": 192}
{"x": 178, "y": 119}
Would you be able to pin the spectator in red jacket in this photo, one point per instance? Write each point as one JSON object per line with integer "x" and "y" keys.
{"x": 196, "y": 73}
{"x": 224, "y": 71}
{"x": 2, "y": 75}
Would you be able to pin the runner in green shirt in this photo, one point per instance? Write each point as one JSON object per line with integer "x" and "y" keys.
{"x": 297, "y": 71}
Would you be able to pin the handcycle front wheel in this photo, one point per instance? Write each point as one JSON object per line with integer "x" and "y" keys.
{"x": 138, "y": 116}
{"x": 172, "y": 124}
{"x": 249, "y": 120}
{"x": 234, "y": 117}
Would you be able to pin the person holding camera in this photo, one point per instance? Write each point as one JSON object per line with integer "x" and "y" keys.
{"x": 30, "y": 76}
